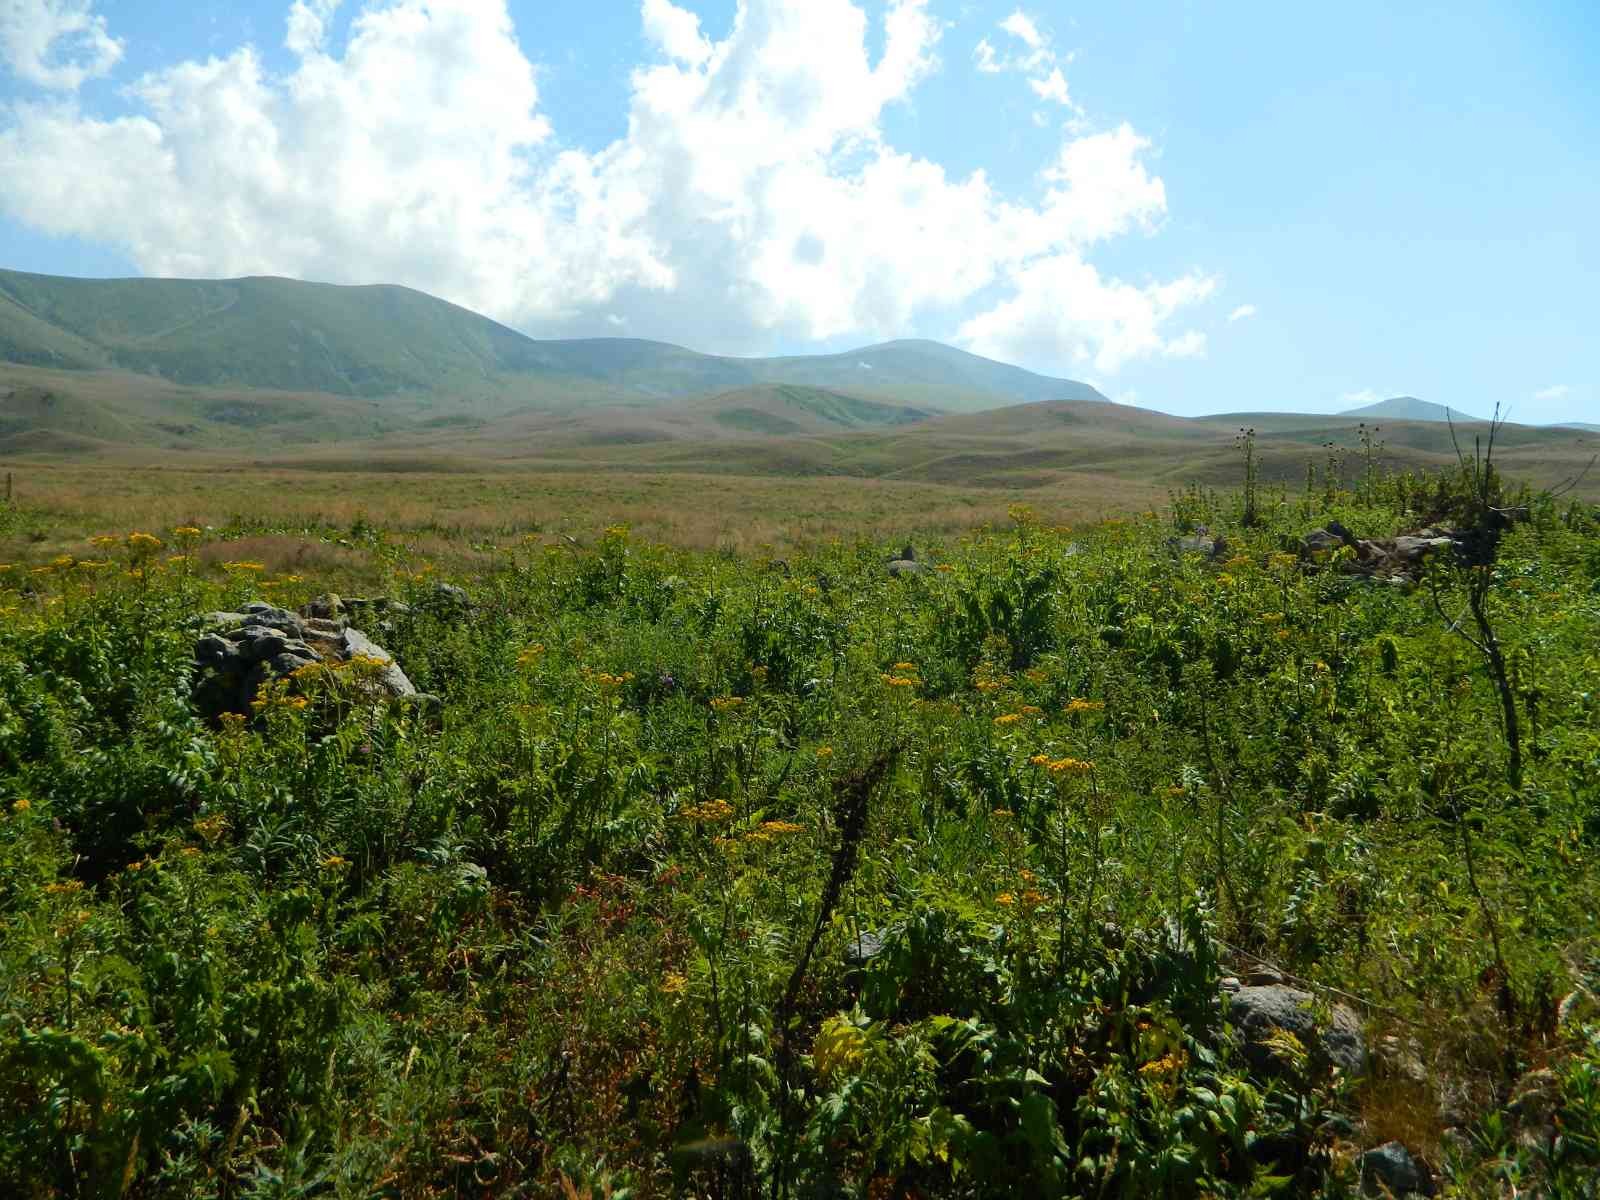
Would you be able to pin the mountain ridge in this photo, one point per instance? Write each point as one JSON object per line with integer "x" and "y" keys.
{"x": 384, "y": 340}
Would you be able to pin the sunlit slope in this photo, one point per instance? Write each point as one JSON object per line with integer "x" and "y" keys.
{"x": 377, "y": 341}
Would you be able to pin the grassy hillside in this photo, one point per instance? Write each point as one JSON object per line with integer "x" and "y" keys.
{"x": 288, "y": 335}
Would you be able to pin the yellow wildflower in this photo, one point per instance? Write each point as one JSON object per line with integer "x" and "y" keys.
{"x": 1008, "y": 719}
{"x": 1271, "y": 618}
{"x": 186, "y": 531}
{"x": 334, "y": 862}
{"x": 211, "y": 828}
{"x": 530, "y": 655}
{"x": 1030, "y": 710}
{"x": 1070, "y": 766}
{"x": 724, "y": 703}
{"x": 1005, "y": 899}
{"x": 105, "y": 542}
{"x": 22, "y": 806}
{"x": 905, "y": 666}
{"x": 1040, "y": 760}
{"x": 824, "y": 751}
{"x": 710, "y": 811}
{"x": 64, "y": 888}
{"x": 1079, "y": 705}
{"x": 242, "y": 565}
{"x": 901, "y": 681}
{"x": 1169, "y": 1064}
{"x": 143, "y": 543}
{"x": 674, "y": 984}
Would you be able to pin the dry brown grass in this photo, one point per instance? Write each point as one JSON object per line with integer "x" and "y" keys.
{"x": 441, "y": 513}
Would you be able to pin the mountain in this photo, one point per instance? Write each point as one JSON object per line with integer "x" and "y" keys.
{"x": 285, "y": 335}
{"x": 1409, "y": 408}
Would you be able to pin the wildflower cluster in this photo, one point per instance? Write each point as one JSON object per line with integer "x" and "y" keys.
{"x": 710, "y": 812}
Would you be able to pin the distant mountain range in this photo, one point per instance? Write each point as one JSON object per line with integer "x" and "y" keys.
{"x": 385, "y": 378}
{"x": 288, "y": 336}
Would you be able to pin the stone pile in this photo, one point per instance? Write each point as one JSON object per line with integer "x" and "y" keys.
{"x": 238, "y": 652}
{"x": 1397, "y": 559}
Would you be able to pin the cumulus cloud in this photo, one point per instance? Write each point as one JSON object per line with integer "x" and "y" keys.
{"x": 754, "y": 196}
{"x": 1241, "y": 313}
{"x": 56, "y": 43}
{"x": 1559, "y": 391}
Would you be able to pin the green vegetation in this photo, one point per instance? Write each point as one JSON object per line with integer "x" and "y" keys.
{"x": 290, "y": 336}
{"x": 714, "y": 875}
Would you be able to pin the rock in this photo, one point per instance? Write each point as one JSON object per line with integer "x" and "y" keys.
{"x": 1257, "y": 1010}
{"x": 1533, "y": 1106}
{"x": 393, "y": 678}
{"x": 1320, "y": 541}
{"x": 1390, "y": 1170}
{"x": 865, "y": 947}
{"x": 1413, "y": 548}
{"x": 1196, "y": 543}
{"x": 447, "y": 597}
{"x": 1262, "y": 975}
{"x": 906, "y": 564}
{"x": 237, "y": 653}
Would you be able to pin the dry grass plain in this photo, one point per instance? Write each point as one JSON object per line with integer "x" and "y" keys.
{"x": 448, "y": 512}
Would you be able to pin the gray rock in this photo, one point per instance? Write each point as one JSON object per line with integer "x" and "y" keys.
{"x": 238, "y": 653}
{"x": 1390, "y": 1170}
{"x": 1257, "y": 1010}
{"x": 1320, "y": 541}
{"x": 1534, "y": 1102}
{"x": 447, "y": 596}
{"x": 901, "y": 566}
{"x": 1195, "y": 544}
{"x": 212, "y": 650}
{"x": 1413, "y": 548}
{"x": 865, "y": 947}
{"x": 393, "y": 678}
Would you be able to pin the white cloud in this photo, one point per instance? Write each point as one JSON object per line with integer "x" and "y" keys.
{"x": 1020, "y": 26}
{"x": 753, "y": 198}
{"x": 1359, "y": 399}
{"x": 56, "y": 43}
{"x": 676, "y": 31}
{"x": 1035, "y": 58}
{"x": 1559, "y": 391}
{"x": 1241, "y": 313}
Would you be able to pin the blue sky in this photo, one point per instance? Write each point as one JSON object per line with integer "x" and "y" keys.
{"x": 1199, "y": 207}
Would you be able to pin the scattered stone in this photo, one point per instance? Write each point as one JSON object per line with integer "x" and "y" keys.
{"x": 906, "y": 564}
{"x": 1390, "y": 1170}
{"x": 1200, "y": 542}
{"x": 237, "y": 653}
{"x": 1320, "y": 541}
{"x": 1396, "y": 559}
{"x": 1257, "y": 1010}
{"x": 1533, "y": 1106}
{"x": 864, "y": 947}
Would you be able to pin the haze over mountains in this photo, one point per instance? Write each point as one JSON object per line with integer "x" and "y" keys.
{"x": 322, "y": 375}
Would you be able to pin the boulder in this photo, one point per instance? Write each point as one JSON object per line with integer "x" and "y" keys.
{"x": 1389, "y": 1170}
{"x": 1320, "y": 541}
{"x": 906, "y": 564}
{"x": 237, "y": 653}
{"x": 1258, "y": 1009}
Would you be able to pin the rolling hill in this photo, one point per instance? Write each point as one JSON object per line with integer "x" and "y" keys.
{"x": 382, "y": 341}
